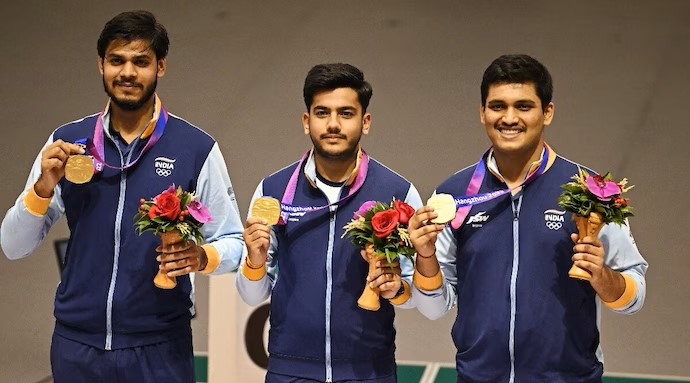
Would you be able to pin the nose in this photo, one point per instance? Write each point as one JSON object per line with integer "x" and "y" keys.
{"x": 510, "y": 117}
{"x": 128, "y": 70}
{"x": 333, "y": 125}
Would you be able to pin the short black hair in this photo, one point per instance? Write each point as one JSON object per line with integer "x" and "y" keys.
{"x": 325, "y": 77}
{"x": 135, "y": 25}
{"x": 518, "y": 69}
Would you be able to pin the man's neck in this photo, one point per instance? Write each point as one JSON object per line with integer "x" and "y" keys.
{"x": 515, "y": 166}
{"x": 335, "y": 170}
{"x": 130, "y": 123}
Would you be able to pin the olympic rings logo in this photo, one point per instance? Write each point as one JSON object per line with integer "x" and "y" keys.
{"x": 554, "y": 225}
{"x": 163, "y": 172}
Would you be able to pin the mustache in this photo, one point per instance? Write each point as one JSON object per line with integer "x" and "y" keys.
{"x": 507, "y": 126}
{"x": 332, "y": 135}
{"x": 127, "y": 82}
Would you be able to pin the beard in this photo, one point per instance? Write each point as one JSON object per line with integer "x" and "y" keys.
{"x": 348, "y": 152}
{"x": 131, "y": 105}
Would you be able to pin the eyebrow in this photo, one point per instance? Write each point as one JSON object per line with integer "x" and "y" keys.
{"x": 134, "y": 57}
{"x": 521, "y": 101}
{"x": 322, "y": 107}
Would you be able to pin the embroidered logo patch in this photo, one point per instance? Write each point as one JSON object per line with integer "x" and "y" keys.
{"x": 478, "y": 219}
{"x": 554, "y": 219}
{"x": 164, "y": 166}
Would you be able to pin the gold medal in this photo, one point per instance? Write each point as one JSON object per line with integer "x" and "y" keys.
{"x": 444, "y": 206}
{"x": 267, "y": 208}
{"x": 79, "y": 169}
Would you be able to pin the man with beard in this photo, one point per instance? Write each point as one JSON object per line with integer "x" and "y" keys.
{"x": 112, "y": 323}
{"x": 312, "y": 274}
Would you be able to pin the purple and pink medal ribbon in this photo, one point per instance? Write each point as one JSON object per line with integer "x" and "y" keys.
{"x": 286, "y": 207}
{"x": 464, "y": 203}
{"x": 97, "y": 147}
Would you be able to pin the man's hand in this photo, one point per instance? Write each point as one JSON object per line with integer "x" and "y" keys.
{"x": 183, "y": 262}
{"x": 590, "y": 256}
{"x": 423, "y": 233}
{"x": 53, "y": 159}
{"x": 386, "y": 277}
{"x": 257, "y": 237}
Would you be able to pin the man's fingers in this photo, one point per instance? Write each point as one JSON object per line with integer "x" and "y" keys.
{"x": 421, "y": 217}
{"x": 256, "y": 230}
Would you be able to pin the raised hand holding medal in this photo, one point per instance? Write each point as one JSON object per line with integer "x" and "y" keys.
{"x": 54, "y": 159}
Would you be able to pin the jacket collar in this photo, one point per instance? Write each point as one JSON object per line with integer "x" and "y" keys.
{"x": 310, "y": 169}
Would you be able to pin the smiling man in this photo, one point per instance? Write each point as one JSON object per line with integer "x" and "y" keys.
{"x": 313, "y": 275}
{"x": 520, "y": 318}
{"x": 112, "y": 324}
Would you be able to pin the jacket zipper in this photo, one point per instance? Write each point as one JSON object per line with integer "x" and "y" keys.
{"x": 329, "y": 290}
{"x": 116, "y": 248}
{"x": 513, "y": 282}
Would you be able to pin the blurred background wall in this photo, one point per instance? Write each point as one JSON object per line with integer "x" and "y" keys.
{"x": 236, "y": 69}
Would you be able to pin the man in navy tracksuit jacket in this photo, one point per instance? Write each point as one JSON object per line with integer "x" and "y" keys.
{"x": 112, "y": 323}
{"x": 313, "y": 275}
{"x": 520, "y": 317}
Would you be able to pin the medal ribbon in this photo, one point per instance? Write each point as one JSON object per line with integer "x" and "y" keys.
{"x": 286, "y": 207}
{"x": 97, "y": 146}
{"x": 464, "y": 203}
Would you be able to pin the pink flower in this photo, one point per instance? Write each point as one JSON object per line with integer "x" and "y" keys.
{"x": 198, "y": 211}
{"x": 363, "y": 209}
{"x": 602, "y": 188}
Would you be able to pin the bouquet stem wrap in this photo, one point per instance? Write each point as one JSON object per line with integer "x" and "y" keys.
{"x": 586, "y": 227}
{"x": 171, "y": 242}
{"x": 369, "y": 300}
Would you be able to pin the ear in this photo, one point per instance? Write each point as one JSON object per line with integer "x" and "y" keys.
{"x": 162, "y": 64}
{"x": 305, "y": 123}
{"x": 481, "y": 114}
{"x": 548, "y": 113}
{"x": 366, "y": 123}
{"x": 100, "y": 64}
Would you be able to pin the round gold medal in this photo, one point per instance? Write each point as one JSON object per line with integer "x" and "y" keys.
{"x": 267, "y": 208}
{"x": 444, "y": 206}
{"x": 79, "y": 169}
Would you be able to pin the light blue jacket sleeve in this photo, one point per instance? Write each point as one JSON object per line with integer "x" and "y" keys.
{"x": 23, "y": 231}
{"x": 255, "y": 292}
{"x": 224, "y": 231}
{"x": 434, "y": 304}
{"x": 623, "y": 256}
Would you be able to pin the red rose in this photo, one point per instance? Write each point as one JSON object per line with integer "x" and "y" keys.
{"x": 406, "y": 211}
{"x": 168, "y": 205}
{"x": 153, "y": 212}
{"x": 384, "y": 222}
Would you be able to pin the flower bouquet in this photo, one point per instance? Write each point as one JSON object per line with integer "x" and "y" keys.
{"x": 176, "y": 216}
{"x": 594, "y": 201}
{"x": 381, "y": 230}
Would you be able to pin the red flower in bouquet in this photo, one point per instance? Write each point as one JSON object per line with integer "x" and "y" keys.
{"x": 168, "y": 205}
{"x": 170, "y": 210}
{"x": 384, "y": 222}
{"x": 406, "y": 211}
{"x": 380, "y": 229}
{"x": 384, "y": 226}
